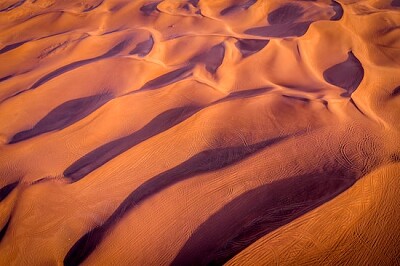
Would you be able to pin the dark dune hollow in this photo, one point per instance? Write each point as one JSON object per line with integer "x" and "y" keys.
{"x": 338, "y": 11}
{"x": 11, "y": 47}
{"x": 256, "y": 213}
{"x": 285, "y": 14}
{"x": 64, "y": 115}
{"x": 396, "y": 91}
{"x": 169, "y": 78}
{"x": 199, "y": 132}
{"x": 12, "y": 6}
{"x": 105, "y": 153}
{"x": 395, "y": 158}
{"x": 281, "y": 30}
{"x": 346, "y": 75}
{"x": 396, "y": 3}
{"x": 112, "y": 52}
{"x": 356, "y": 106}
{"x": 5, "y": 78}
{"x": 143, "y": 48}
{"x": 234, "y": 8}
{"x": 4, "y": 229}
{"x": 194, "y": 2}
{"x": 209, "y": 160}
{"x": 92, "y": 7}
{"x": 298, "y": 98}
{"x": 212, "y": 58}
{"x": 249, "y": 47}
{"x": 244, "y": 94}
{"x": 149, "y": 8}
{"x": 162, "y": 122}
{"x": 6, "y": 190}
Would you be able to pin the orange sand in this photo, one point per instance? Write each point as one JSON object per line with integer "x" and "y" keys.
{"x": 194, "y": 132}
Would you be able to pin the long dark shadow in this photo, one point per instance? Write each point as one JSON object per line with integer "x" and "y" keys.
{"x": 244, "y": 94}
{"x": 168, "y": 78}
{"x": 7, "y": 189}
{"x": 209, "y": 160}
{"x": 63, "y": 116}
{"x": 11, "y": 47}
{"x": 101, "y": 155}
{"x": 92, "y": 7}
{"x": 281, "y": 30}
{"x": 4, "y": 229}
{"x": 396, "y": 91}
{"x": 12, "y": 6}
{"x": 258, "y": 212}
{"x": 284, "y": 21}
{"x": 112, "y": 52}
{"x": 5, "y": 78}
{"x": 105, "y": 153}
{"x": 237, "y": 7}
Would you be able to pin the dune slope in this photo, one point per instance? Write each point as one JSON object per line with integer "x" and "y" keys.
{"x": 195, "y": 132}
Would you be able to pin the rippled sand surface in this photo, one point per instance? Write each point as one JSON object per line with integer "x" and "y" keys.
{"x": 195, "y": 132}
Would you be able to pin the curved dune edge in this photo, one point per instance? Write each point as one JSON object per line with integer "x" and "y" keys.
{"x": 358, "y": 227}
{"x": 199, "y": 132}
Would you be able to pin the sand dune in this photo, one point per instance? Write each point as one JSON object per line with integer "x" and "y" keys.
{"x": 194, "y": 132}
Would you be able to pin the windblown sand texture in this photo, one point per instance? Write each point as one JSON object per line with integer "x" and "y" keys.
{"x": 195, "y": 132}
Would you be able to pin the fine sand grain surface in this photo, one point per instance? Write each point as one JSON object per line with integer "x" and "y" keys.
{"x": 197, "y": 132}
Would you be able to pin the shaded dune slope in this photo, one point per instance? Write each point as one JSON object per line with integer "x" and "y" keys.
{"x": 199, "y": 132}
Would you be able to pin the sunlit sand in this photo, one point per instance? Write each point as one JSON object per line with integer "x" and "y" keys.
{"x": 196, "y": 132}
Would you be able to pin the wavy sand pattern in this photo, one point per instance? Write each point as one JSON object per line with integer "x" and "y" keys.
{"x": 195, "y": 132}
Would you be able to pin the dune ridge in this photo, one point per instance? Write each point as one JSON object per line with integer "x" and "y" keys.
{"x": 238, "y": 132}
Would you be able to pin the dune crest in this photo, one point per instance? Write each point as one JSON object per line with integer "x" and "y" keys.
{"x": 238, "y": 132}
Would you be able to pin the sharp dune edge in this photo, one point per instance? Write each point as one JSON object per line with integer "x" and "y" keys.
{"x": 199, "y": 132}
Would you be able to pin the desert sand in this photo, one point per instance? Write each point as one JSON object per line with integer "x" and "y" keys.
{"x": 197, "y": 132}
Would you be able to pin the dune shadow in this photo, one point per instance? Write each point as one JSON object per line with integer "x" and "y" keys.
{"x": 7, "y": 189}
{"x": 13, "y": 6}
{"x": 281, "y": 30}
{"x": 258, "y": 212}
{"x": 284, "y": 21}
{"x": 101, "y": 155}
{"x": 212, "y": 59}
{"x": 149, "y": 8}
{"x": 346, "y": 75}
{"x": 168, "y": 78}
{"x": 93, "y": 7}
{"x": 3, "y": 231}
{"x": 110, "y": 53}
{"x": 4, "y": 192}
{"x": 249, "y": 47}
{"x": 108, "y": 151}
{"x": 395, "y": 3}
{"x": 5, "y": 78}
{"x": 285, "y": 14}
{"x": 12, "y": 47}
{"x": 205, "y": 161}
{"x": 237, "y": 7}
{"x": 244, "y": 94}
{"x": 337, "y": 7}
{"x": 396, "y": 91}
{"x": 143, "y": 48}
{"x": 63, "y": 116}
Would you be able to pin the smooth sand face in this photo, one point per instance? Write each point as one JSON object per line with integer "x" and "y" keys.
{"x": 199, "y": 132}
